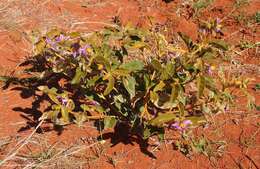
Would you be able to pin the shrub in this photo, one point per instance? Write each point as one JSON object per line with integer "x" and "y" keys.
{"x": 131, "y": 76}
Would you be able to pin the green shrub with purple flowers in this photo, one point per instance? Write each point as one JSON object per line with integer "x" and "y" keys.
{"x": 131, "y": 76}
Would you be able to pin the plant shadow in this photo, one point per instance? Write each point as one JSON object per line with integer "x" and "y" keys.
{"x": 32, "y": 114}
{"x": 28, "y": 88}
{"x": 121, "y": 134}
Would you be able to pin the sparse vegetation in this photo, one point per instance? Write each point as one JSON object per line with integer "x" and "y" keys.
{"x": 257, "y": 17}
{"x": 200, "y": 4}
{"x": 101, "y": 80}
{"x": 145, "y": 83}
{"x": 241, "y": 3}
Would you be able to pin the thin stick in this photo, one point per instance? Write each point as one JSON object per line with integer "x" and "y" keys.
{"x": 250, "y": 159}
{"x": 58, "y": 155}
{"x": 25, "y": 141}
{"x": 92, "y": 22}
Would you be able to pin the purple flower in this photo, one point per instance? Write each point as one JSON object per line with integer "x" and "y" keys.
{"x": 203, "y": 31}
{"x": 218, "y": 20}
{"x": 48, "y": 41}
{"x": 218, "y": 26}
{"x": 154, "y": 112}
{"x": 93, "y": 103}
{"x": 63, "y": 101}
{"x": 51, "y": 43}
{"x": 217, "y": 29}
{"x": 176, "y": 125}
{"x": 181, "y": 126}
{"x": 82, "y": 50}
{"x": 187, "y": 122}
{"x": 209, "y": 70}
{"x": 173, "y": 55}
{"x": 74, "y": 54}
{"x": 47, "y": 57}
{"x": 61, "y": 38}
{"x": 226, "y": 108}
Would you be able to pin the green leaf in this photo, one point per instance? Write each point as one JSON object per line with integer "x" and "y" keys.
{"x": 110, "y": 85}
{"x": 84, "y": 107}
{"x": 159, "y": 87}
{"x": 4, "y": 78}
{"x": 201, "y": 85}
{"x": 52, "y": 115}
{"x": 161, "y": 135}
{"x": 39, "y": 47}
{"x": 121, "y": 72}
{"x": 104, "y": 61}
{"x": 138, "y": 44}
{"x": 210, "y": 83}
{"x": 52, "y": 33}
{"x": 147, "y": 81}
{"x": 147, "y": 133}
{"x": 257, "y": 17}
{"x": 187, "y": 40}
{"x": 174, "y": 92}
{"x": 80, "y": 118}
{"x": 52, "y": 93}
{"x": 257, "y": 86}
{"x": 54, "y": 98}
{"x": 65, "y": 115}
{"x": 98, "y": 109}
{"x": 70, "y": 105}
{"x": 151, "y": 130}
{"x": 201, "y": 4}
{"x": 78, "y": 76}
{"x": 258, "y": 108}
{"x": 162, "y": 118}
{"x": 60, "y": 67}
{"x": 220, "y": 44}
{"x": 168, "y": 71}
{"x": 156, "y": 65}
{"x": 93, "y": 80}
{"x": 129, "y": 83}
{"x": 181, "y": 109}
{"x": 154, "y": 97}
{"x": 196, "y": 120}
{"x": 74, "y": 34}
{"x": 109, "y": 122}
{"x": 118, "y": 100}
{"x": 200, "y": 145}
{"x": 134, "y": 65}
{"x": 162, "y": 101}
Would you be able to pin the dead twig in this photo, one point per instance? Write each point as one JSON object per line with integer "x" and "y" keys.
{"x": 23, "y": 143}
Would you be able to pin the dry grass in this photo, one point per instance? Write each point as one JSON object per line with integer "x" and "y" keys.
{"x": 33, "y": 14}
{"x": 39, "y": 153}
